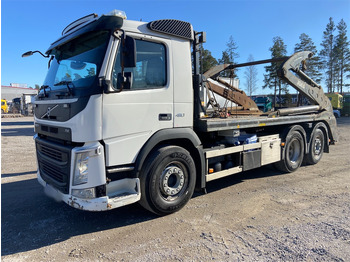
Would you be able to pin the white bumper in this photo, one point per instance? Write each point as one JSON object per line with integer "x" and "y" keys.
{"x": 125, "y": 192}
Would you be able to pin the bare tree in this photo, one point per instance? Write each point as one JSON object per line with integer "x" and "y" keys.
{"x": 251, "y": 77}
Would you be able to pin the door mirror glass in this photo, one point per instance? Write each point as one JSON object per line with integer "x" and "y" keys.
{"x": 128, "y": 52}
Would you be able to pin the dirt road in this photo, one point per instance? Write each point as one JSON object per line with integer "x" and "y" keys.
{"x": 261, "y": 215}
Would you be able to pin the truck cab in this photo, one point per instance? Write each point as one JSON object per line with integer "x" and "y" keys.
{"x": 95, "y": 112}
{"x": 4, "y": 107}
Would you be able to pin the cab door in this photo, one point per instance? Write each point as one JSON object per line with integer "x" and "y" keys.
{"x": 133, "y": 115}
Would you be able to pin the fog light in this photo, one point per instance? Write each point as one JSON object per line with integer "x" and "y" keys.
{"x": 86, "y": 193}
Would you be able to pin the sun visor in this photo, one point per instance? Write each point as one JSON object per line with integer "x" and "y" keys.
{"x": 101, "y": 24}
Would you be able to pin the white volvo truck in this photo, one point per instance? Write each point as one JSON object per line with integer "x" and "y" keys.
{"x": 125, "y": 116}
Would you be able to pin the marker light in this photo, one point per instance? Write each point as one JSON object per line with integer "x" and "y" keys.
{"x": 118, "y": 13}
{"x": 87, "y": 193}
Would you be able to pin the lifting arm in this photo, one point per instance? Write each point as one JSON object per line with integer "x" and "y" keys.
{"x": 230, "y": 92}
{"x": 226, "y": 90}
{"x": 291, "y": 72}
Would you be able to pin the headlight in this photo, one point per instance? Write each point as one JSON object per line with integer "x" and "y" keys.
{"x": 86, "y": 193}
{"x": 82, "y": 158}
{"x": 81, "y": 168}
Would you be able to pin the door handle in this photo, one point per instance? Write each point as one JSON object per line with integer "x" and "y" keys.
{"x": 164, "y": 117}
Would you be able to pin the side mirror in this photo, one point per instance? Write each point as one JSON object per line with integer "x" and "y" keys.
{"x": 26, "y": 54}
{"x": 29, "y": 53}
{"x": 124, "y": 82}
{"x": 128, "y": 52}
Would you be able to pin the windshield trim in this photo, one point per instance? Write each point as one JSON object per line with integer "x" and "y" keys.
{"x": 67, "y": 75}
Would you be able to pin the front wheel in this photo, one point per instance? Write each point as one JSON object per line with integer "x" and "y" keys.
{"x": 293, "y": 153}
{"x": 167, "y": 180}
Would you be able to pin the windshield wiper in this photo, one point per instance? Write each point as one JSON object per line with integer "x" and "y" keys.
{"x": 67, "y": 83}
{"x": 43, "y": 87}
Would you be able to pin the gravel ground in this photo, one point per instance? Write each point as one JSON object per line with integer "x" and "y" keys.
{"x": 260, "y": 215}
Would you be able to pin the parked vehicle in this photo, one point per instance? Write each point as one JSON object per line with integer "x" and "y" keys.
{"x": 264, "y": 103}
{"x": 336, "y": 100}
{"x": 4, "y": 106}
{"x": 122, "y": 117}
{"x": 336, "y": 113}
{"x": 15, "y": 107}
{"x": 346, "y": 105}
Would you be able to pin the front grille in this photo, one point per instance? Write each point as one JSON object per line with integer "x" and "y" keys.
{"x": 54, "y": 163}
{"x": 52, "y": 172}
{"x": 53, "y": 153}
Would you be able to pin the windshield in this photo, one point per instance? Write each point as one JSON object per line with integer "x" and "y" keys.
{"x": 77, "y": 63}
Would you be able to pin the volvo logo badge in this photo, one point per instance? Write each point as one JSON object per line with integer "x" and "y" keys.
{"x": 48, "y": 112}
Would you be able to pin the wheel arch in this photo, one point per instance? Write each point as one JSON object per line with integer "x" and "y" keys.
{"x": 183, "y": 137}
{"x": 287, "y": 131}
{"x": 322, "y": 126}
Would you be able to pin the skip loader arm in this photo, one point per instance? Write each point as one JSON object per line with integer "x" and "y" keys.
{"x": 292, "y": 72}
{"x": 229, "y": 92}
{"x": 226, "y": 90}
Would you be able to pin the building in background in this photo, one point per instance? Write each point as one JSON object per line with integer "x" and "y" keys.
{"x": 19, "y": 98}
{"x": 16, "y": 90}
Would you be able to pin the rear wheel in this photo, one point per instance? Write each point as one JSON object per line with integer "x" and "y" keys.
{"x": 167, "y": 180}
{"x": 293, "y": 153}
{"x": 316, "y": 148}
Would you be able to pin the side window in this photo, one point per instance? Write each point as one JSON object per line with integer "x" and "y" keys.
{"x": 150, "y": 70}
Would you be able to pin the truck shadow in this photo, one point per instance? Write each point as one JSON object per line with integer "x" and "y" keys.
{"x": 31, "y": 220}
{"x": 266, "y": 171}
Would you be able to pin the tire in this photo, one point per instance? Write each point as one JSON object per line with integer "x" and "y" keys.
{"x": 167, "y": 180}
{"x": 316, "y": 148}
{"x": 293, "y": 153}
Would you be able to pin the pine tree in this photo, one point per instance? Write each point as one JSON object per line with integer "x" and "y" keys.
{"x": 271, "y": 80}
{"x": 207, "y": 60}
{"x": 313, "y": 64}
{"x": 327, "y": 54}
{"x": 342, "y": 57}
{"x": 229, "y": 56}
{"x": 231, "y": 49}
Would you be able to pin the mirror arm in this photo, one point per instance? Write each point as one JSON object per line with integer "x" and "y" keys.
{"x": 120, "y": 33}
{"x": 46, "y": 56}
{"x": 29, "y": 53}
{"x": 48, "y": 66}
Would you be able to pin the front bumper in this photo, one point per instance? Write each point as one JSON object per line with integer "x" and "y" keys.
{"x": 121, "y": 193}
